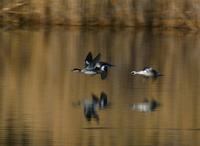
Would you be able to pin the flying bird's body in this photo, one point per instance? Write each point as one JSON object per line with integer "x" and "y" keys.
{"x": 147, "y": 72}
{"x": 94, "y": 66}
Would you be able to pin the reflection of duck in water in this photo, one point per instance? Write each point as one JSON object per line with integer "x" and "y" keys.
{"x": 146, "y": 106}
{"x": 90, "y": 109}
{"x": 102, "y": 101}
{"x": 147, "y": 72}
{"x": 90, "y": 106}
{"x": 94, "y": 66}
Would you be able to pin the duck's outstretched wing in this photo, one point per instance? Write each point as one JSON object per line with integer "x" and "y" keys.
{"x": 88, "y": 59}
{"x": 96, "y": 59}
{"x": 104, "y": 75}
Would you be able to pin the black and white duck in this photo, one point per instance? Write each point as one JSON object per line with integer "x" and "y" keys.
{"x": 94, "y": 66}
{"x": 90, "y": 65}
{"x": 147, "y": 72}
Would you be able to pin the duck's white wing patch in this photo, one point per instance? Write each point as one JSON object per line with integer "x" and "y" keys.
{"x": 87, "y": 62}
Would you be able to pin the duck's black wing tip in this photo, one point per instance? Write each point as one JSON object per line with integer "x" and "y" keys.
{"x": 97, "y": 58}
{"x": 88, "y": 59}
{"x": 104, "y": 75}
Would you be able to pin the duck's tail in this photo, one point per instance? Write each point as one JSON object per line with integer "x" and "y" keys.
{"x": 159, "y": 75}
{"x": 112, "y": 65}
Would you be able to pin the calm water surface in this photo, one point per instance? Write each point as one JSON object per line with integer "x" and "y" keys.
{"x": 38, "y": 89}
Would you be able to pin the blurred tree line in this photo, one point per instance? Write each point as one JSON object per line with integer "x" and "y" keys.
{"x": 164, "y": 13}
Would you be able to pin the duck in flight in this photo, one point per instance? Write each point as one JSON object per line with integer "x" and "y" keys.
{"x": 147, "y": 72}
{"x": 94, "y": 66}
{"x": 90, "y": 63}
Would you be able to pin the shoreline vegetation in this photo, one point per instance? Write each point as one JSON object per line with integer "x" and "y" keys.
{"x": 104, "y": 13}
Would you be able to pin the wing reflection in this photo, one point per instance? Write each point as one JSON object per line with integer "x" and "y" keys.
{"x": 92, "y": 105}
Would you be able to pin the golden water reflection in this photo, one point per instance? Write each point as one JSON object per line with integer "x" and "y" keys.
{"x": 37, "y": 87}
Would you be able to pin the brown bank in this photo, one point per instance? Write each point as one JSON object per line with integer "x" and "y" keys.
{"x": 160, "y": 13}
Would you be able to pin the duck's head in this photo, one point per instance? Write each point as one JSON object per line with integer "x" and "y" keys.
{"x": 106, "y": 67}
{"x": 133, "y": 72}
{"x": 76, "y": 70}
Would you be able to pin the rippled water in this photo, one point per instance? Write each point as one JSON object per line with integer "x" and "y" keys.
{"x": 38, "y": 89}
